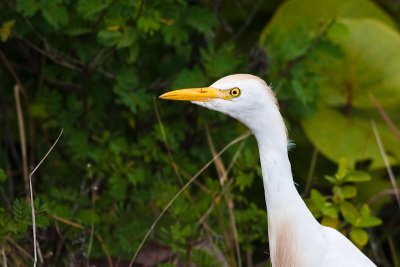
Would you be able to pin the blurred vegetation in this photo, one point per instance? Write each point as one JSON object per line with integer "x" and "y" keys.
{"x": 95, "y": 68}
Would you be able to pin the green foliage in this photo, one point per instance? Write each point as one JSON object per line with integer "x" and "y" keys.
{"x": 332, "y": 40}
{"x": 95, "y": 69}
{"x": 337, "y": 211}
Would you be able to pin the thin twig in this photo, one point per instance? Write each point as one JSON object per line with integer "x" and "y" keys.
{"x": 385, "y": 117}
{"x": 31, "y": 198}
{"x": 385, "y": 193}
{"x": 240, "y": 138}
{"x": 386, "y": 161}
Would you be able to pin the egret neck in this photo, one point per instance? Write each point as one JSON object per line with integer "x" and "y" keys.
{"x": 289, "y": 219}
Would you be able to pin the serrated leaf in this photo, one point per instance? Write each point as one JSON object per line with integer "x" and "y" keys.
{"x": 21, "y": 210}
{"x": 201, "y": 19}
{"x": 349, "y": 212}
{"x": 359, "y": 237}
{"x": 244, "y": 180}
{"x": 189, "y": 78}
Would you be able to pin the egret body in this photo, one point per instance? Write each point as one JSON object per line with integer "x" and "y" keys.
{"x": 296, "y": 239}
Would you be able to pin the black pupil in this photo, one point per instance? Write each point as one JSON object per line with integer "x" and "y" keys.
{"x": 234, "y": 92}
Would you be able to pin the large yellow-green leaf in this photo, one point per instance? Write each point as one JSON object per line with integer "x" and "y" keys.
{"x": 312, "y": 13}
{"x": 370, "y": 66}
{"x": 337, "y": 135}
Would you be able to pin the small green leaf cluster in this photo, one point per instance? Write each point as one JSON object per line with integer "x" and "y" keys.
{"x": 338, "y": 210}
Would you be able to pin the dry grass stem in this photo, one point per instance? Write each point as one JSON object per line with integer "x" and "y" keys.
{"x": 3, "y": 255}
{"x": 223, "y": 176}
{"x": 386, "y": 161}
{"x": 80, "y": 226}
{"x": 35, "y": 245}
{"x": 19, "y": 248}
{"x": 385, "y": 117}
{"x": 22, "y": 136}
{"x": 240, "y": 138}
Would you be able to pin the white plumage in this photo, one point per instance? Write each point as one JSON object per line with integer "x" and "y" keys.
{"x": 296, "y": 239}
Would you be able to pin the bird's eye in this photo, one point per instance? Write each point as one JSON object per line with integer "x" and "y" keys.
{"x": 235, "y": 92}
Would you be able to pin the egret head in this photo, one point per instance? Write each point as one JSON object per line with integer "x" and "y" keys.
{"x": 241, "y": 96}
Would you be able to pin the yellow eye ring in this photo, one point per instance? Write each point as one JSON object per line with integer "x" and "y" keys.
{"x": 235, "y": 92}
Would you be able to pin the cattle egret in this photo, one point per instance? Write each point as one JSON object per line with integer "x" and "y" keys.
{"x": 296, "y": 238}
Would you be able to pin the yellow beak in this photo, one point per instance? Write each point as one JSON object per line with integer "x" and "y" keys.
{"x": 193, "y": 94}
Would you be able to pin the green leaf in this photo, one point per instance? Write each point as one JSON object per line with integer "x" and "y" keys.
{"x": 89, "y": 8}
{"x": 314, "y": 14}
{"x": 349, "y": 191}
{"x": 330, "y": 222}
{"x": 366, "y": 69}
{"x": 359, "y": 237}
{"x": 244, "y": 180}
{"x": 369, "y": 221}
{"x": 128, "y": 36}
{"x": 330, "y": 211}
{"x": 349, "y": 212}
{"x": 108, "y": 38}
{"x": 28, "y": 7}
{"x": 188, "y": 78}
{"x": 342, "y": 169}
{"x": 201, "y": 19}
{"x": 150, "y": 23}
{"x": 22, "y": 211}
{"x": 56, "y": 15}
{"x": 3, "y": 175}
{"x": 357, "y": 177}
{"x": 133, "y": 53}
{"x": 338, "y": 31}
{"x": 331, "y": 179}
{"x": 365, "y": 211}
{"x": 343, "y": 192}
{"x": 318, "y": 199}
{"x": 366, "y": 220}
